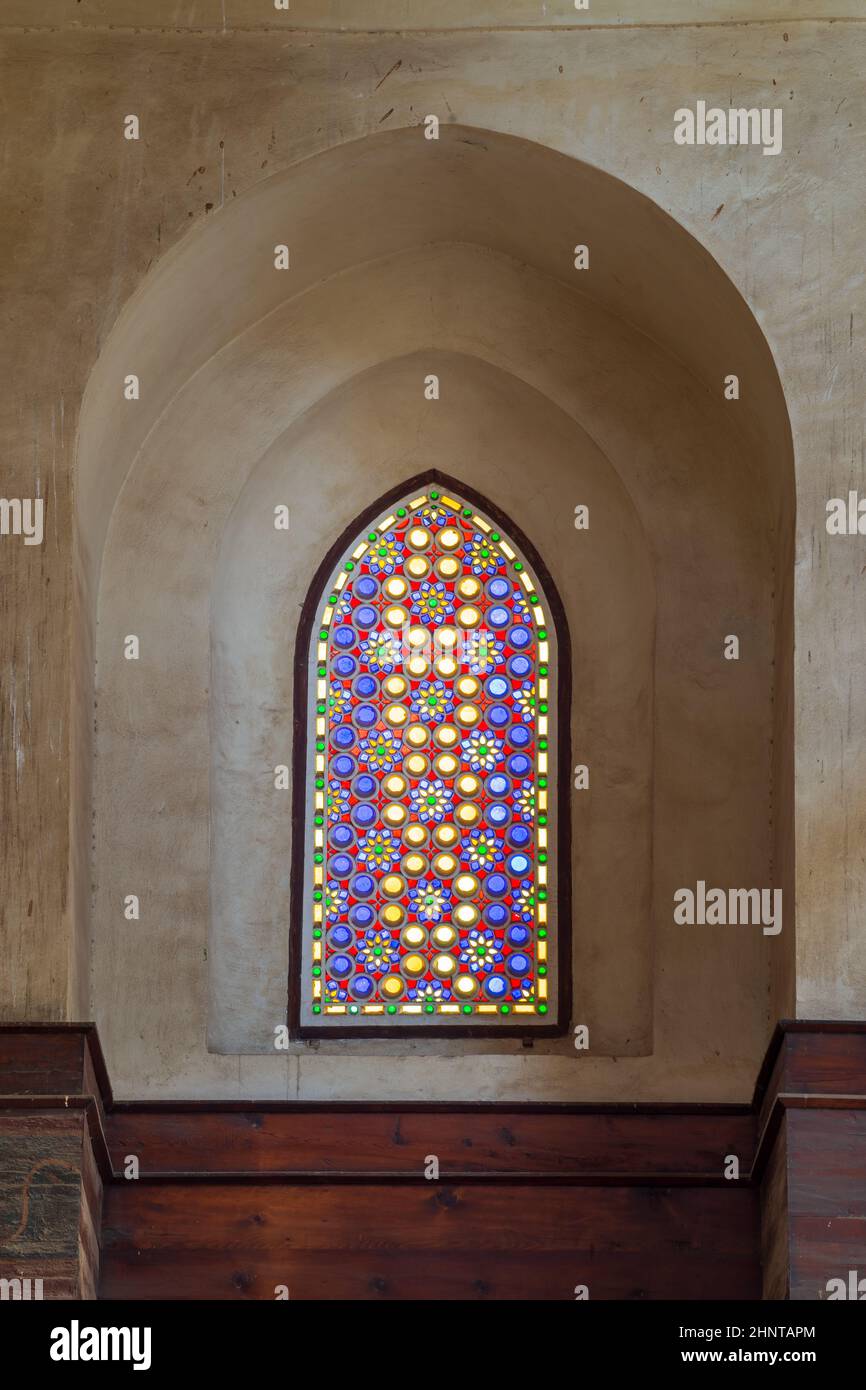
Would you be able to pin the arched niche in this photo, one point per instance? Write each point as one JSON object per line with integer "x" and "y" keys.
{"x": 551, "y": 397}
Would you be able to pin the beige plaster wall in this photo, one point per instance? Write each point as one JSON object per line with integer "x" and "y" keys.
{"x": 86, "y": 214}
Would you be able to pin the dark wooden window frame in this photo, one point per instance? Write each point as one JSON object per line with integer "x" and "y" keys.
{"x": 557, "y": 1026}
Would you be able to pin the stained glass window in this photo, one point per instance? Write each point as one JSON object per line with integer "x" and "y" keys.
{"x": 429, "y": 893}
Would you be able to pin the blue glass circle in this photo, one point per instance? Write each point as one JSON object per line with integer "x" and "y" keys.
{"x": 497, "y": 785}
{"x": 343, "y": 766}
{"x": 519, "y": 736}
{"x": 344, "y": 666}
{"x": 365, "y": 586}
{"x": 365, "y": 616}
{"x": 498, "y": 814}
{"x": 498, "y": 617}
{"x": 366, "y": 716}
{"x": 344, "y": 637}
{"x": 499, "y": 588}
{"x": 498, "y": 716}
{"x": 518, "y": 935}
{"x": 495, "y": 986}
{"x": 342, "y": 836}
{"x": 341, "y": 866}
{"x": 364, "y": 785}
{"x": 496, "y": 885}
{"x": 519, "y": 666}
{"x": 362, "y": 987}
{"x": 518, "y": 864}
{"x": 518, "y": 765}
{"x": 343, "y": 736}
{"x": 496, "y": 915}
{"x": 364, "y": 815}
{"x": 497, "y": 687}
{"x": 340, "y": 936}
{"x": 365, "y": 686}
{"x": 362, "y": 885}
{"x": 362, "y": 915}
{"x": 519, "y": 836}
{"x": 518, "y": 964}
{"x": 520, "y": 637}
{"x": 341, "y": 966}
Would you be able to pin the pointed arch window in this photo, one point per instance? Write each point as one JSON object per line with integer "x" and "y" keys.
{"x": 428, "y": 882}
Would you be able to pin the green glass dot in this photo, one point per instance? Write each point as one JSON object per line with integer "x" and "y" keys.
{"x": 542, "y": 670}
{"x": 317, "y": 896}
{"x": 481, "y": 851}
{"x": 518, "y": 565}
{"x": 542, "y": 743}
{"x": 485, "y": 553}
{"x": 542, "y": 1008}
{"x": 383, "y": 550}
{"x": 392, "y": 1008}
{"x": 317, "y": 970}
{"x": 542, "y": 819}
{"x": 495, "y": 536}
{"x": 505, "y": 1008}
{"x": 353, "y": 1008}
{"x": 542, "y": 969}
{"x": 321, "y": 671}
{"x": 319, "y": 858}
{"x": 377, "y": 950}
{"x": 542, "y": 781}
{"x": 533, "y": 598}
{"x": 467, "y": 511}
{"x": 542, "y": 895}
{"x": 334, "y": 598}
{"x": 429, "y": 1008}
{"x": 320, "y": 820}
{"x": 542, "y": 634}
{"x": 542, "y": 858}
{"x": 317, "y": 1008}
{"x": 372, "y": 536}
{"x": 323, "y": 634}
{"x": 431, "y": 801}
{"x": 350, "y": 565}
{"x": 542, "y": 933}
{"x": 432, "y": 701}
{"x": 320, "y": 782}
{"x": 401, "y": 511}
{"x": 432, "y": 601}
{"x": 481, "y": 953}
{"x": 317, "y": 932}
{"x": 434, "y": 496}
{"x": 321, "y": 707}
{"x": 467, "y": 1008}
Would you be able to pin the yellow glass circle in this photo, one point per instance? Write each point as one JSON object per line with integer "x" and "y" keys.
{"x": 446, "y": 836}
{"x": 449, "y": 538}
{"x": 446, "y": 764}
{"x": 396, "y": 587}
{"x": 468, "y": 784}
{"x": 443, "y": 936}
{"x": 446, "y": 667}
{"x": 415, "y": 836}
{"x": 392, "y": 915}
{"x": 395, "y": 784}
{"x": 396, "y": 815}
{"x": 466, "y": 885}
{"x": 446, "y": 638}
{"x": 446, "y": 736}
{"x": 414, "y": 965}
{"x": 465, "y": 985}
{"x": 392, "y": 986}
{"x": 467, "y": 616}
{"x": 467, "y": 814}
{"x": 417, "y": 736}
{"x": 396, "y": 616}
{"x": 445, "y": 865}
{"x": 467, "y": 716}
{"x": 417, "y": 567}
{"x": 467, "y": 687}
{"x": 418, "y": 538}
{"x": 465, "y": 915}
{"x": 443, "y": 966}
{"x": 396, "y": 715}
{"x": 414, "y": 865}
{"x": 392, "y": 886}
{"x": 396, "y": 687}
{"x": 418, "y": 667}
{"x": 417, "y": 637}
{"x": 469, "y": 587}
{"x": 416, "y": 764}
{"x": 448, "y": 567}
{"x": 413, "y": 937}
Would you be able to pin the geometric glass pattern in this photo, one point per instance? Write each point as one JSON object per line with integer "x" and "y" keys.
{"x": 430, "y": 835}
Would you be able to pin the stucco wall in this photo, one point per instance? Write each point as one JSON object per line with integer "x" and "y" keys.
{"x": 97, "y": 211}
